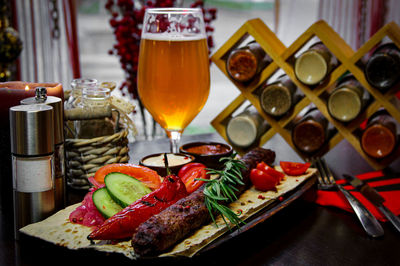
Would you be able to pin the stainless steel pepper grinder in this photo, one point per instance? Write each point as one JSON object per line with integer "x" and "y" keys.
{"x": 32, "y": 152}
{"x": 59, "y": 158}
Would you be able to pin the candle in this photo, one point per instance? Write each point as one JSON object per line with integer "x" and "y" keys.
{"x": 11, "y": 93}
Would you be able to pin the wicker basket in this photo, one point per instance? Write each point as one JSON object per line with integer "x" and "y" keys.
{"x": 85, "y": 156}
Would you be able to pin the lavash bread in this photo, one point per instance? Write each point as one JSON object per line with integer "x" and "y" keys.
{"x": 57, "y": 229}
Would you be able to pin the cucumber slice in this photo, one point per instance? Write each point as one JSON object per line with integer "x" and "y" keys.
{"x": 125, "y": 189}
{"x": 104, "y": 203}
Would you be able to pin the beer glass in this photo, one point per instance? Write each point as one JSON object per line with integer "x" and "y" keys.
{"x": 173, "y": 73}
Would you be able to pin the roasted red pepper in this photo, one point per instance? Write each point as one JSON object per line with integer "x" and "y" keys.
{"x": 123, "y": 224}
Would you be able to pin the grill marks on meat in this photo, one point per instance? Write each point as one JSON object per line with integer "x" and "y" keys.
{"x": 166, "y": 228}
{"x": 173, "y": 224}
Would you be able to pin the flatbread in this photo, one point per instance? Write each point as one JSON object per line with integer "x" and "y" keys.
{"x": 57, "y": 229}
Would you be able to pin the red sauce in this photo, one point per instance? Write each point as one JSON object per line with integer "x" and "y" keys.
{"x": 208, "y": 149}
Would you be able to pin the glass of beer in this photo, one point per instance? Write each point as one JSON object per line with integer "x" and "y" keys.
{"x": 173, "y": 73}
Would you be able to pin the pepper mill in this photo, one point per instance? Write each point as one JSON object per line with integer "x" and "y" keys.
{"x": 59, "y": 152}
{"x": 32, "y": 152}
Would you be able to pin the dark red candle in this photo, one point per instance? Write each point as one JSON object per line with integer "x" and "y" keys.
{"x": 11, "y": 93}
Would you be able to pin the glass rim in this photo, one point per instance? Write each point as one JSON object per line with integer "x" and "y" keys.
{"x": 96, "y": 90}
{"x": 84, "y": 81}
{"x": 173, "y": 10}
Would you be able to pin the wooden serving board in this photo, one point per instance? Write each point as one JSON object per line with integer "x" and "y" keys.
{"x": 255, "y": 207}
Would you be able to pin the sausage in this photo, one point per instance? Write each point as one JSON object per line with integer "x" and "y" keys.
{"x": 176, "y": 222}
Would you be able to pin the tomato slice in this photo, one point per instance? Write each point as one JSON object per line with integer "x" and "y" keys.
{"x": 190, "y": 172}
{"x": 148, "y": 177}
{"x": 293, "y": 168}
{"x": 263, "y": 181}
{"x": 269, "y": 170}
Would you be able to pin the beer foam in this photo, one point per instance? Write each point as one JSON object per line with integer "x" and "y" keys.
{"x": 172, "y": 37}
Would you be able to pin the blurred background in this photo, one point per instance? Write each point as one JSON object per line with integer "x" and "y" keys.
{"x": 67, "y": 39}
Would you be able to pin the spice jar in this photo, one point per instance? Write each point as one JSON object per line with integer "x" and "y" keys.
{"x": 73, "y": 104}
{"x": 246, "y": 128}
{"x": 347, "y": 100}
{"x": 88, "y": 144}
{"x": 77, "y": 85}
{"x": 382, "y": 70}
{"x": 277, "y": 98}
{"x": 314, "y": 65}
{"x": 379, "y": 138}
{"x": 59, "y": 152}
{"x": 310, "y": 131}
{"x": 92, "y": 117}
{"x": 244, "y": 63}
{"x": 32, "y": 151}
{"x": 95, "y": 113}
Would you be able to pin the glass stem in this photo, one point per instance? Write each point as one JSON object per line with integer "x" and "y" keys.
{"x": 174, "y": 139}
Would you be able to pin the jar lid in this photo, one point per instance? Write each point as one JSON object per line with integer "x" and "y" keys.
{"x": 31, "y": 129}
{"x": 81, "y": 83}
{"x": 344, "y": 104}
{"x": 241, "y": 131}
{"x": 311, "y": 68}
{"x": 382, "y": 70}
{"x": 276, "y": 100}
{"x": 242, "y": 65}
{"x": 58, "y": 109}
{"x": 378, "y": 141}
{"x": 308, "y": 136}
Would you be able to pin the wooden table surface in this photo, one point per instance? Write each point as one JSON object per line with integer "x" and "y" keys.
{"x": 301, "y": 234}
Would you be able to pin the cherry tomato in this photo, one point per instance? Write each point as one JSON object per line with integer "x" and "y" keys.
{"x": 190, "y": 172}
{"x": 148, "y": 177}
{"x": 269, "y": 170}
{"x": 184, "y": 169}
{"x": 263, "y": 181}
{"x": 292, "y": 168}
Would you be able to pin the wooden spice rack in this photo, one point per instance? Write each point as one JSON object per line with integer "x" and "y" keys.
{"x": 283, "y": 58}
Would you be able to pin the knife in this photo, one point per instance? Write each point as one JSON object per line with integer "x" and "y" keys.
{"x": 374, "y": 197}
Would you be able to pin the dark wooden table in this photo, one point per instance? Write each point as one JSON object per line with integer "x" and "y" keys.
{"x": 301, "y": 234}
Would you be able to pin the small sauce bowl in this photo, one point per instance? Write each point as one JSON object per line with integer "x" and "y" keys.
{"x": 175, "y": 162}
{"x": 207, "y": 153}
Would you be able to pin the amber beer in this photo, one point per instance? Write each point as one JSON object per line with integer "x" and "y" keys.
{"x": 173, "y": 79}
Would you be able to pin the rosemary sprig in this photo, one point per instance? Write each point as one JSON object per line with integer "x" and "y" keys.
{"x": 223, "y": 189}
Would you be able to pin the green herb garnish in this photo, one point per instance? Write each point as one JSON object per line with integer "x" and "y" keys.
{"x": 223, "y": 189}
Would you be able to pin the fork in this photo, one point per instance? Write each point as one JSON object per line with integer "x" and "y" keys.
{"x": 326, "y": 180}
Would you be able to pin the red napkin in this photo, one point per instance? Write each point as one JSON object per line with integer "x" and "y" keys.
{"x": 391, "y": 196}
